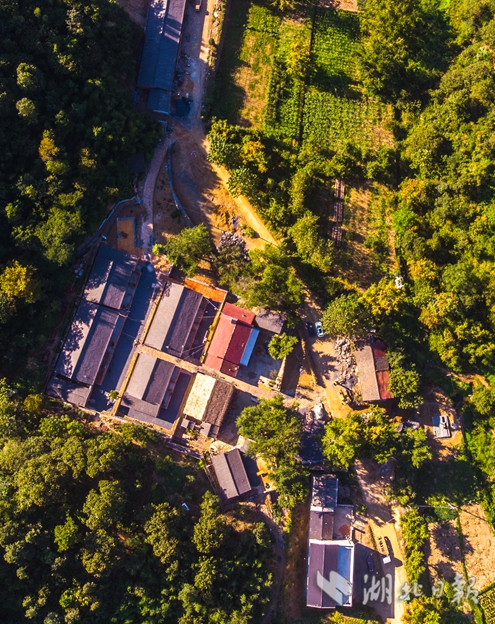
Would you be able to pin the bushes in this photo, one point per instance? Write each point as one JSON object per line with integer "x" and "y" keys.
{"x": 415, "y": 532}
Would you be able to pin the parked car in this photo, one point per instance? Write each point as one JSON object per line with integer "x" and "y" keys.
{"x": 369, "y": 563}
{"x": 310, "y": 328}
{"x": 319, "y": 329}
{"x": 198, "y": 5}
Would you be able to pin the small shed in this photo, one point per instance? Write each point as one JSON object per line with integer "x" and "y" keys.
{"x": 231, "y": 475}
{"x": 270, "y": 321}
{"x": 441, "y": 426}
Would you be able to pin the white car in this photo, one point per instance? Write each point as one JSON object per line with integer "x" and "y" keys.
{"x": 319, "y": 329}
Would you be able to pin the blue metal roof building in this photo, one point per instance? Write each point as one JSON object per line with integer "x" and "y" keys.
{"x": 161, "y": 46}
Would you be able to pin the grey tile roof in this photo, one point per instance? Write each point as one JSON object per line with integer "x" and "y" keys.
{"x": 271, "y": 321}
{"x": 325, "y": 492}
{"x": 150, "y": 379}
{"x": 160, "y": 101}
{"x": 174, "y": 318}
{"x": 86, "y": 343}
{"x": 163, "y": 33}
{"x": 109, "y": 278}
{"x": 68, "y": 391}
{"x": 231, "y": 474}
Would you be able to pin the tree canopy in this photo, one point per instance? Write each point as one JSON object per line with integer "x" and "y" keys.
{"x": 93, "y": 529}
{"x": 281, "y": 345}
{"x": 188, "y": 248}
{"x": 276, "y": 432}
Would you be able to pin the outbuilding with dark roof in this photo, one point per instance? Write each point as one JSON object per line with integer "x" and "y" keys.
{"x": 112, "y": 277}
{"x": 231, "y": 475}
{"x": 161, "y": 46}
{"x": 93, "y": 330}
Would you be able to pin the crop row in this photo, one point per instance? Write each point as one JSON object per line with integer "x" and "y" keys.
{"x": 487, "y": 602}
{"x": 332, "y": 120}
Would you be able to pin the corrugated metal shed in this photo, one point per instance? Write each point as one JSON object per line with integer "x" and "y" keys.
{"x": 199, "y": 396}
{"x": 325, "y": 493}
{"x": 366, "y": 371}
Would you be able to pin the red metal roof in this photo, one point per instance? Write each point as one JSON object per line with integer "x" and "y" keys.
{"x": 239, "y": 313}
{"x": 230, "y": 339}
{"x": 382, "y": 377}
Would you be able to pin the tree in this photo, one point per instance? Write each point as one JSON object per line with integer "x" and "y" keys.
{"x": 161, "y": 532}
{"x": 188, "y": 248}
{"x": 210, "y": 529}
{"x": 404, "y": 380}
{"x": 346, "y": 316}
{"x": 242, "y": 181}
{"x": 105, "y": 508}
{"x": 19, "y": 282}
{"x": 310, "y": 246}
{"x": 275, "y": 432}
{"x": 396, "y": 59}
{"x": 281, "y": 345}
{"x": 270, "y": 282}
{"x": 483, "y": 399}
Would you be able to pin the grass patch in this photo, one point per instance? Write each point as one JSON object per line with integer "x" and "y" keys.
{"x": 240, "y": 84}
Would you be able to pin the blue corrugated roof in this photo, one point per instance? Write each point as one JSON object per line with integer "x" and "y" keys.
{"x": 163, "y": 33}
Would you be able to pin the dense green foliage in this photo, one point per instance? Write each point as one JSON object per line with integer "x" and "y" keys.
{"x": 93, "y": 530}
{"x": 281, "y": 345}
{"x": 187, "y": 249}
{"x": 373, "y": 434}
{"x": 67, "y": 129}
{"x": 276, "y": 434}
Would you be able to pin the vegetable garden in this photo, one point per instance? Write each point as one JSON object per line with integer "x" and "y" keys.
{"x": 487, "y": 602}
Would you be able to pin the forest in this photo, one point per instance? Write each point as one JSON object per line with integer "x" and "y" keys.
{"x": 67, "y": 130}
{"x": 108, "y": 527}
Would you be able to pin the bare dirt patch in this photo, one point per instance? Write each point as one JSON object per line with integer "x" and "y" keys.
{"x": 292, "y": 593}
{"x": 341, "y": 5}
{"x": 202, "y": 191}
{"x": 136, "y": 9}
{"x": 443, "y": 551}
{"x": 478, "y": 545}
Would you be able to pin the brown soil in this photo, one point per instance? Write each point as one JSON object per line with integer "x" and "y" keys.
{"x": 292, "y": 593}
{"x": 341, "y": 5}
{"x": 136, "y": 9}
{"x": 201, "y": 189}
{"x": 478, "y": 545}
{"x": 164, "y": 207}
{"x": 443, "y": 551}
{"x": 360, "y": 268}
{"x": 437, "y": 402}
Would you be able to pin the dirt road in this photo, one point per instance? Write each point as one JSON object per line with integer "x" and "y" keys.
{"x": 383, "y": 525}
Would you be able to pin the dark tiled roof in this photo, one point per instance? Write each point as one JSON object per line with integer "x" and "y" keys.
{"x": 109, "y": 278}
{"x": 271, "y": 321}
{"x": 86, "y": 343}
{"x": 160, "y": 101}
{"x": 150, "y": 379}
{"x": 325, "y": 492}
{"x": 321, "y": 525}
{"x": 68, "y": 391}
{"x": 231, "y": 474}
{"x": 174, "y": 318}
{"x": 163, "y": 33}
{"x": 218, "y": 403}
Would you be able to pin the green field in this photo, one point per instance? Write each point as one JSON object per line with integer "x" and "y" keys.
{"x": 335, "y": 42}
{"x": 329, "y": 121}
{"x": 487, "y": 602}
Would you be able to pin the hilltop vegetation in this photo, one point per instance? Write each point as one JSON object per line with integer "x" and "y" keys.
{"x": 67, "y": 129}
{"x": 93, "y": 529}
